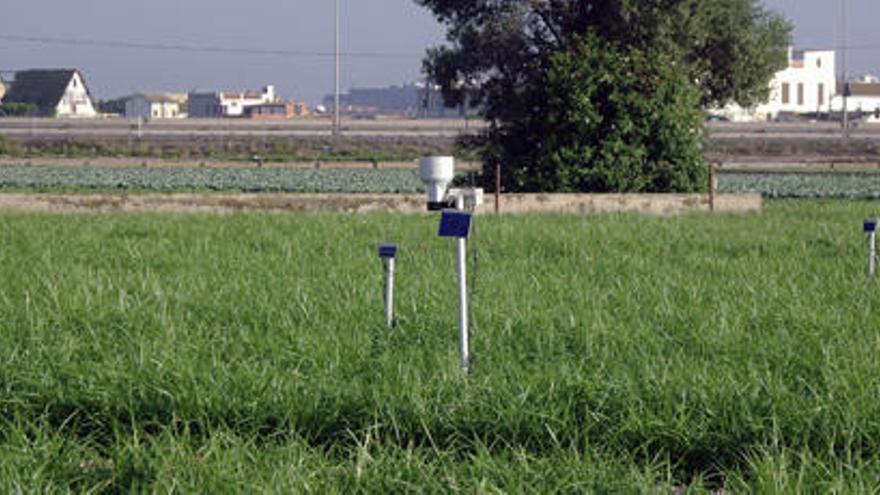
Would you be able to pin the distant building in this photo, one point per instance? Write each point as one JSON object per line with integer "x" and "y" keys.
{"x": 279, "y": 110}
{"x": 863, "y": 100}
{"x": 55, "y": 93}
{"x": 156, "y": 106}
{"x": 806, "y": 86}
{"x": 2, "y": 91}
{"x": 409, "y": 100}
{"x": 227, "y": 104}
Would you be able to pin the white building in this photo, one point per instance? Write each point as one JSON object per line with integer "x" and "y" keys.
{"x": 863, "y": 100}
{"x": 155, "y": 106}
{"x": 55, "y": 93}
{"x": 806, "y": 86}
{"x": 228, "y": 104}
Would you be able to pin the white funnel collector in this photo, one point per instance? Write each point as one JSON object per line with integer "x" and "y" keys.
{"x": 437, "y": 173}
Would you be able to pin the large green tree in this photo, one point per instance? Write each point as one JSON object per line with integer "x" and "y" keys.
{"x": 508, "y": 57}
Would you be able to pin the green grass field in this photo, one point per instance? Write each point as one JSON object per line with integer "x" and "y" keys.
{"x": 612, "y": 353}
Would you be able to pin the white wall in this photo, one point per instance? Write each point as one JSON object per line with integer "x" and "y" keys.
{"x": 235, "y": 107}
{"x": 76, "y": 101}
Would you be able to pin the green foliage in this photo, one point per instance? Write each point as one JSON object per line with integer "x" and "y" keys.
{"x": 612, "y": 354}
{"x": 115, "y": 106}
{"x": 603, "y": 121}
{"x": 18, "y": 109}
{"x": 501, "y": 54}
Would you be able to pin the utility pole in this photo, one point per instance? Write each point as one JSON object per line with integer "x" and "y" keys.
{"x": 336, "y": 126}
{"x": 845, "y": 72}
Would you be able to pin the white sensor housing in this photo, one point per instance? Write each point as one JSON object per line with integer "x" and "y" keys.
{"x": 437, "y": 173}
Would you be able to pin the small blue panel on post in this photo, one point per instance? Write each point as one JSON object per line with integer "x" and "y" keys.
{"x": 455, "y": 223}
{"x": 387, "y": 251}
{"x": 870, "y": 225}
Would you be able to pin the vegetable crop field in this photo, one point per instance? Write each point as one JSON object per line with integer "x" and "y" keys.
{"x": 209, "y": 179}
{"x": 803, "y": 184}
{"x": 611, "y": 353}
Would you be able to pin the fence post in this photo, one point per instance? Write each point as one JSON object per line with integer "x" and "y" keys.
{"x": 713, "y": 185}
{"x": 497, "y": 188}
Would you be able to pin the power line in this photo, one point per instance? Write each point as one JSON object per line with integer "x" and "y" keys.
{"x": 203, "y": 49}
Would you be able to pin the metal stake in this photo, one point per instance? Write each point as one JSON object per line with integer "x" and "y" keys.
{"x": 870, "y": 228}
{"x": 872, "y": 253}
{"x": 388, "y": 252}
{"x": 463, "y": 333}
{"x": 389, "y": 292}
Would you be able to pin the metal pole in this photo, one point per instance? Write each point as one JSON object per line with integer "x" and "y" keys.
{"x": 389, "y": 292}
{"x": 464, "y": 337}
{"x": 845, "y": 71}
{"x": 336, "y": 124}
{"x": 463, "y": 334}
{"x": 872, "y": 253}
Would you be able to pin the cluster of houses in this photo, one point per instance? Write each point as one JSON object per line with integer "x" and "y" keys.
{"x": 809, "y": 88}
{"x": 63, "y": 93}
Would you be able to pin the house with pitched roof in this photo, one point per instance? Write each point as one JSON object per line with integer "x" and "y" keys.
{"x": 55, "y": 92}
{"x": 156, "y": 106}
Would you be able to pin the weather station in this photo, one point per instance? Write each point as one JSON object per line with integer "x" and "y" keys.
{"x": 456, "y": 219}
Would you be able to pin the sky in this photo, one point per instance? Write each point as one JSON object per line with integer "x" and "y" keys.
{"x": 383, "y": 41}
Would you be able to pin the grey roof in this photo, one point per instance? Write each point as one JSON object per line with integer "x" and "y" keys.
{"x": 178, "y": 98}
{"x": 860, "y": 88}
{"x": 42, "y": 87}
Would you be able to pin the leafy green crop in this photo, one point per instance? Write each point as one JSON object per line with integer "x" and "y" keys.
{"x": 802, "y": 184}
{"x": 215, "y": 179}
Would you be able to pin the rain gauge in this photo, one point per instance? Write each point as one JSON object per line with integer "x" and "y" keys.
{"x": 456, "y": 206}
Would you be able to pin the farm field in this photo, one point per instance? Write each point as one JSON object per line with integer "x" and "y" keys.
{"x": 299, "y": 180}
{"x": 803, "y": 182}
{"x": 612, "y": 353}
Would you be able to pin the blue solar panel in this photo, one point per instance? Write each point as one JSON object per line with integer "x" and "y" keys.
{"x": 387, "y": 250}
{"x": 454, "y": 223}
{"x": 870, "y": 225}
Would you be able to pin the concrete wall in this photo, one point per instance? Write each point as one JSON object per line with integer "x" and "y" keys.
{"x": 660, "y": 204}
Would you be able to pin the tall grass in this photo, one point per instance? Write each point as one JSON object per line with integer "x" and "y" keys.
{"x": 612, "y": 353}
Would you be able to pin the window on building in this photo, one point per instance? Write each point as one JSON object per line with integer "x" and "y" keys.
{"x": 821, "y": 95}
{"x": 785, "y": 93}
{"x": 819, "y": 62}
{"x": 800, "y": 95}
